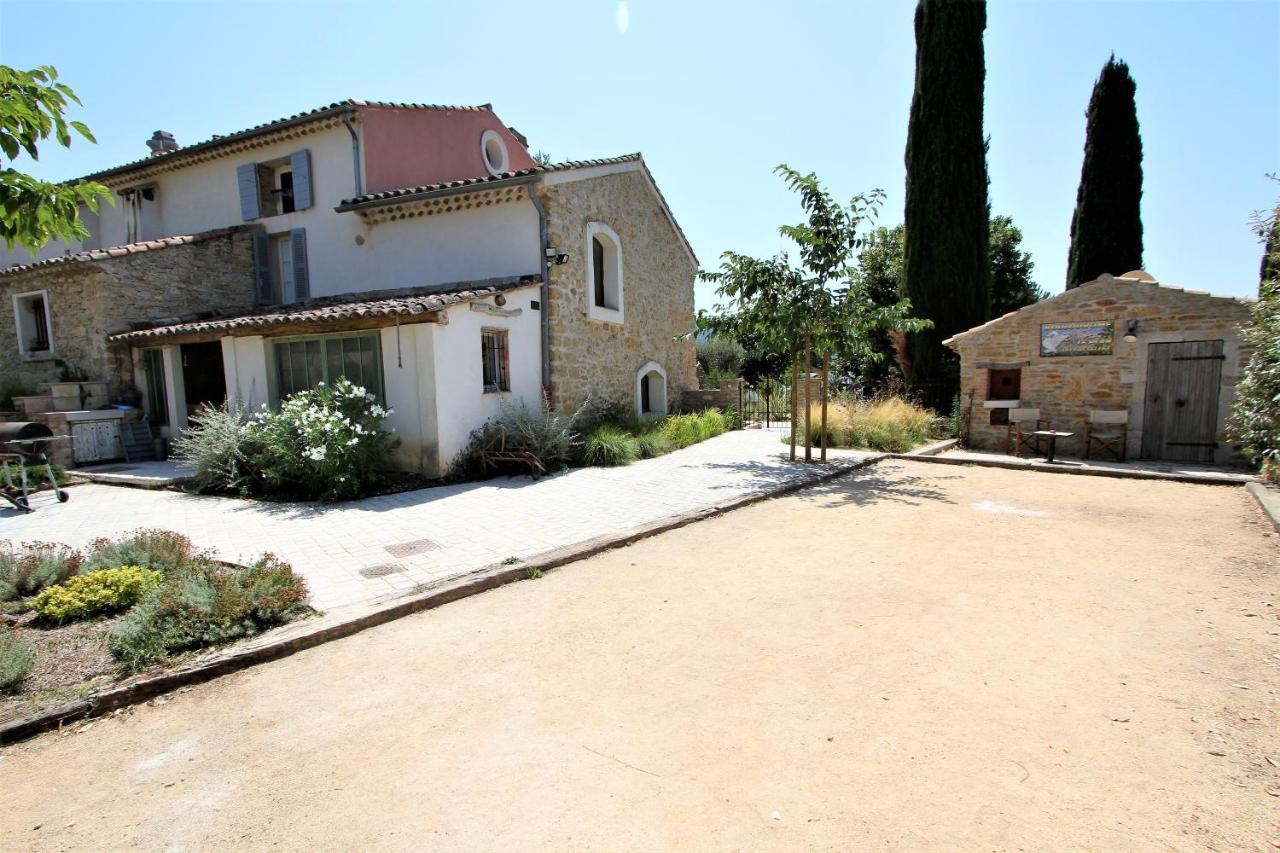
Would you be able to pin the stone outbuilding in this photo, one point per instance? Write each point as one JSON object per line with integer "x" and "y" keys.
{"x": 1167, "y": 358}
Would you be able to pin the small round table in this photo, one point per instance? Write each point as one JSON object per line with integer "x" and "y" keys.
{"x": 1053, "y": 435}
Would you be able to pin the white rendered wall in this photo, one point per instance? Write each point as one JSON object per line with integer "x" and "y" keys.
{"x": 500, "y": 240}
{"x": 462, "y": 404}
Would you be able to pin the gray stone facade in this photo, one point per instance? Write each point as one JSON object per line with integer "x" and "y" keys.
{"x": 90, "y": 299}
{"x": 591, "y": 357}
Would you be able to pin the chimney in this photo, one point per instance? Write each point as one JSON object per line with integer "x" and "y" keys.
{"x": 162, "y": 142}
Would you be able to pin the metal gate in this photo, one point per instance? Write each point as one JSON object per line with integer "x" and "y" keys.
{"x": 766, "y": 404}
{"x": 1180, "y": 415}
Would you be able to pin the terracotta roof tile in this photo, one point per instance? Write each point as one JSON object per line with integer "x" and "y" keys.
{"x": 404, "y": 193}
{"x": 91, "y": 255}
{"x": 336, "y": 309}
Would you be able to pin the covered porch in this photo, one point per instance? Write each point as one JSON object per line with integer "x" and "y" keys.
{"x": 441, "y": 360}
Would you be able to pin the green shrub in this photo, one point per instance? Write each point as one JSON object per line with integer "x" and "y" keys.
{"x": 324, "y": 444}
{"x": 1255, "y": 418}
{"x": 691, "y": 428}
{"x": 603, "y": 410}
{"x": 653, "y": 443}
{"x": 220, "y": 446}
{"x": 27, "y": 569}
{"x": 609, "y": 445}
{"x": 548, "y": 436}
{"x": 161, "y": 550}
{"x": 10, "y": 388}
{"x": 205, "y": 605}
{"x": 720, "y": 358}
{"x": 95, "y": 593}
{"x": 16, "y": 660}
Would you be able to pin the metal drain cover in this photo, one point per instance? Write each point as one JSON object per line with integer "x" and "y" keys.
{"x": 409, "y": 549}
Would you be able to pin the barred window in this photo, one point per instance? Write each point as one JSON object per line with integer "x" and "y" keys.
{"x": 302, "y": 365}
{"x": 493, "y": 355}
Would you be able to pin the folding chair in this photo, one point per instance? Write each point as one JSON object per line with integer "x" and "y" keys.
{"x": 1109, "y": 431}
{"x": 1022, "y": 426}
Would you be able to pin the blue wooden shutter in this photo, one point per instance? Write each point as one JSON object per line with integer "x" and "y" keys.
{"x": 300, "y": 163}
{"x": 301, "y": 278}
{"x": 247, "y": 178}
{"x": 262, "y": 266}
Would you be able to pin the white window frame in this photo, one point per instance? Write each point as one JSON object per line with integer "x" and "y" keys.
{"x": 655, "y": 411}
{"x": 616, "y": 286}
{"x": 19, "y": 300}
{"x": 493, "y": 168}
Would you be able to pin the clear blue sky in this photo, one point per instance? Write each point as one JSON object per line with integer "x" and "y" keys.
{"x": 716, "y": 94}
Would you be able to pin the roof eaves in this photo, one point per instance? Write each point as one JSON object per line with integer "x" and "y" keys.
{"x": 634, "y": 157}
{"x": 403, "y": 302}
{"x": 109, "y": 253}
{"x": 405, "y": 195}
{"x": 179, "y": 155}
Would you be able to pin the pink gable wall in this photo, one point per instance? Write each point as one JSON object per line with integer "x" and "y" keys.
{"x": 410, "y": 148}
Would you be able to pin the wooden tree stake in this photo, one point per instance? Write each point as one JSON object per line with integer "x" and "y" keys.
{"x": 808, "y": 398}
{"x": 826, "y": 374}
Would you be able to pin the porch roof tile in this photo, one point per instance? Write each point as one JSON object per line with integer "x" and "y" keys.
{"x": 404, "y": 302}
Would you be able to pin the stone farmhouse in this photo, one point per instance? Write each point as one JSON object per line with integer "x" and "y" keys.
{"x": 418, "y": 250}
{"x": 1157, "y": 365}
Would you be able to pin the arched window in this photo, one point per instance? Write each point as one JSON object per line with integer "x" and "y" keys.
{"x": 603, "y": 273}
{"x": 651, "y": 390}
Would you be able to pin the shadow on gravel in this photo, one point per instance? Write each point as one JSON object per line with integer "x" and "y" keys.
{"x": 876, "y": 484}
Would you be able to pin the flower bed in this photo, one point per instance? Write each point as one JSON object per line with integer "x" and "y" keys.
{"x": 324, "y": 444}
{"x": 74, "y": 622}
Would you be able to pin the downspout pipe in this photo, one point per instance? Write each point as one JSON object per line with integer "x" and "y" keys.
{"x": 355, "y": 152}
{"x": 544, "y": 292}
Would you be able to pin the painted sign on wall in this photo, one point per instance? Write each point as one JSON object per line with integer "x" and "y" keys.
{"x": 1076, "y": 338}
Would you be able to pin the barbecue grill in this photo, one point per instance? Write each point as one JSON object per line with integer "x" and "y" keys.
{"x": 22, "y": 444}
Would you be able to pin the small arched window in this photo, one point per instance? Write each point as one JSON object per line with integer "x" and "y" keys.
{"x": 604, "y": 273}
{"x": 651, "y": 390}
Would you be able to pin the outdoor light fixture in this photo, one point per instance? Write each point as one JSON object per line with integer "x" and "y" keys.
{"x": 1131, "y": 334}
{"x": 556, "y": 256}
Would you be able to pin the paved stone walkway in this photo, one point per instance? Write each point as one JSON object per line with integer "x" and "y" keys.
{"x": 358, "y": 552}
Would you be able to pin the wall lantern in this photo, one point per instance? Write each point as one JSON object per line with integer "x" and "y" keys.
{"x": 555, "y": 256}
{"x": 1131, "y": 334}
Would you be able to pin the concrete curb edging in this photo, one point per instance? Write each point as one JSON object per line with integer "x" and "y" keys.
{"x": 1269, "y": 500}
{"x": 282, "y": 642}
{"x": 1066, "y": 469}
{"x": 928, "y": 450}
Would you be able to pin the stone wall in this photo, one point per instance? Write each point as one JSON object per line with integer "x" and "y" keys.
{"x": 1066, "y": 388}
{"x": 728, "y": 396}
{"x": 592, "y": 357}
{"x": 89, "y": 300}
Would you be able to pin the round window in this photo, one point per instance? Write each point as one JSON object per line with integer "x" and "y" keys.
{"x": 494, "y": 151}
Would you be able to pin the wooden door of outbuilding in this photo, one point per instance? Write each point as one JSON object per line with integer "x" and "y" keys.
{"x": 1180, "y": 417}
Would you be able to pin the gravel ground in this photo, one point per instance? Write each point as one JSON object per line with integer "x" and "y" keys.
{"x": 910, "y": 657}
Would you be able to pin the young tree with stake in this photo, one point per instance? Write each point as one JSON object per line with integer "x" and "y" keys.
{"x": 820, "y": 306}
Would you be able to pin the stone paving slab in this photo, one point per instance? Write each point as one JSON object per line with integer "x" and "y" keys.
{"x": 364, "y": 551}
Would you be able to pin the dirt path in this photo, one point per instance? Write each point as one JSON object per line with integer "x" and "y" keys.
{"x": 913, "y": 657}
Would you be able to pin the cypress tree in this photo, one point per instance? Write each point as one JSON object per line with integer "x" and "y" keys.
{"x": 945, "y": 260}
{"x": 1106, "y": 230}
